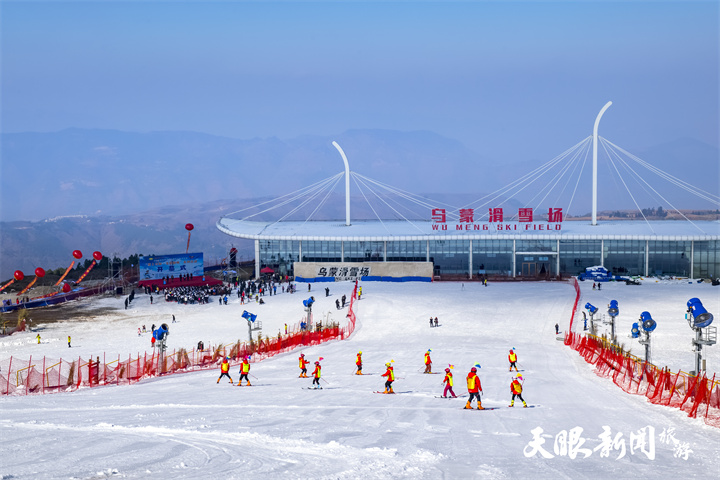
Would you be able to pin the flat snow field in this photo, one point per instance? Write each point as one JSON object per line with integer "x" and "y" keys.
{"x": 186, "y": 426}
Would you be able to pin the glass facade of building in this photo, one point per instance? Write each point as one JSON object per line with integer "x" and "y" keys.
{"x": 528, "y": 258}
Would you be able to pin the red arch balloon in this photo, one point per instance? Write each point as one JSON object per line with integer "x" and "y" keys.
{"x": 39, "y": 272}
{"x": 19, "y": 275}
{"x": 77, "y": 254}
{"x": 66, "y": 287}
{"x": 97, "y": 256}
{"x": 189, "y": 226}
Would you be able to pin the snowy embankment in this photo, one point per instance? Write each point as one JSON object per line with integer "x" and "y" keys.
{"x": 187, "y": 426}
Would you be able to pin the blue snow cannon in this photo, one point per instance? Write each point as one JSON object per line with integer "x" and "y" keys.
{"x": 590, "y": 308}
{"x": 647, "y": 322}
{"x": 701, "y": 317}
{"x": 248, "y": 316}
{"x": 613, "y": 309}
{"x": 161, "y": 332}
{"x": 309, "y": 302}
{"x": 635, "y": 330}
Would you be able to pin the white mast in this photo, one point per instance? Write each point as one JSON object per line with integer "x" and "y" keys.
{"x": 594, "y": 177}
{"x": 347, "y": 183}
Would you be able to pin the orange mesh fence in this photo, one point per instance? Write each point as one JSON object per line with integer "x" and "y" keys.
{"x": 699, "y": 397}
{"x": 23, "y": 377}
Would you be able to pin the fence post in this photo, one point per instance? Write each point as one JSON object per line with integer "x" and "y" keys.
{"x": 43, "y": 376}
{"x": 27, "y": 379}
{"x": 8, "y": 376}
{"x": 59, "y": 370}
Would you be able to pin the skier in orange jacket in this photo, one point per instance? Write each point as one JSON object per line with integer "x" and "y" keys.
{"x": 302, "y": 363}
{"x": 428, "y": 362}
{"x": 358, "y": 363}
{"x": 516, "y": 390}
{"x": 474, "y": 389}
{"x": 225, "y": 370}
{"x": 390, "y": 374}
{"x": 512, "y": 358}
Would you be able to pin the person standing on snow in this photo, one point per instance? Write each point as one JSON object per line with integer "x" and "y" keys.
{"x": 474, "y": 389}
{"x": 316, "y": 375}
{"x": 512, "y": 358}
{"x": 69, "y": 341}
{"x": 358, "y": 363}
{"x": 448, "y": 381}
{"x": 244, "y": 371}
{"x": 516, "y": 390}
{"x": 224, "y": 370}
{"x": 557, "y": 329}
{"x": 428, "y": 362}
{"x": 390, "y": 374}
{"x": 302, "y": 363}
{"x": 431, "y": 322}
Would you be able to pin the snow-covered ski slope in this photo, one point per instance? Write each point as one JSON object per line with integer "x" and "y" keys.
{"x": 187, "y": 426}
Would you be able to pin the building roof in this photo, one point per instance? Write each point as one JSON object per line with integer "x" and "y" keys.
{"x": 400, "y": 230}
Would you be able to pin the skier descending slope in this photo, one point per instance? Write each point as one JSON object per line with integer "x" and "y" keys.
{"x": 448, "y": 381}
{"x": 512, "y": 358}
{"x": 316, "y": 374}
{"x": 474, "y": 389}
{"x": 516, "y": 390}
{"x": 428, "y": 362}
{"x": 225, "y": 370}
{"x": 302, "y": 363}
{"x": 390, "y": 374}
{"x": 358, "y": 363}
{"x": 244, "y": 371}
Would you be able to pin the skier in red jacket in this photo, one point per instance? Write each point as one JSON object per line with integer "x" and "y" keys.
{"x": 474, "y": 389}
{"x": 225, "y": 370}
{"x": 302, "y": 363}
{"x": 516, "y": 390}
{"x": 448, "y": 381}
{"x": 390, "y": 374}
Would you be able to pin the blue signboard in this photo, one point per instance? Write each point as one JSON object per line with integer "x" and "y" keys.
{"x": 157, "y": 267}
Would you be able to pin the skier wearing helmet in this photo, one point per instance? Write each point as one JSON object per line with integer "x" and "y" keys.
{"x": 512, "y": 358}
{"x": 316, "y": 375}
{"x": 474, "y": 389}
{"x": 448, "y": 381}
{"x": 358, "y": 363}
{"x": 390, "y": 374}
{"x": 428, "y": 362}
{"x": 516, "y": 390}
{"x": 302, "y": 363}
{"x": 225, "y": 370}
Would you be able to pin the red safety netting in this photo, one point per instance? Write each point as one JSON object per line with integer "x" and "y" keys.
{"x": 698, "y": 396}
{"x": 37, "y": 376}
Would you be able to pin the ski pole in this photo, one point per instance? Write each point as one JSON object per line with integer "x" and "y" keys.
{"x": 325, "y": 381}
{"x": 253, "y": 376}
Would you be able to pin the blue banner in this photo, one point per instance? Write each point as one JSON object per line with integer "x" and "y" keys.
{"x": 157, "y": 267}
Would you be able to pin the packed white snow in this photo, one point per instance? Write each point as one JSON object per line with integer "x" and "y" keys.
{"x": 189, "y": 427}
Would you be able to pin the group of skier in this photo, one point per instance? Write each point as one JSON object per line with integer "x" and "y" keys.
{"x": 474, "y": 386}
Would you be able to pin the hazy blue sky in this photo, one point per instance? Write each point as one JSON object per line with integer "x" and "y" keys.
{"x": 508, "y": 79}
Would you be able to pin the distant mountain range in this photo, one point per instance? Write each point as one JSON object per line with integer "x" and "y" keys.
{"x": 124, "y": 193}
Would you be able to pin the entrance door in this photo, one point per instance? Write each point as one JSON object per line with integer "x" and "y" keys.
{"x": 529, "y": 269}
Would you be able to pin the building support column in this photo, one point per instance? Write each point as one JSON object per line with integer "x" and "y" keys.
{"x": 557, "y": 262}
{"x": 300, "y": 258}
{"x": 692, "y": 258}
{"x": 602, "y": 253}
{"x": 257, "y": 258}
{"x": 385, "y": 251}
{"x": 514, "y": 267}
{"x": 470, "y": 267}
{"x": 342, "y": 250}
{"x": 427, "y": 252}
{"x": 647, "y": 258}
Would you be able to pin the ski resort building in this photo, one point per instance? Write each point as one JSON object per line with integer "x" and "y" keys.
{"x": 486, "y": 237}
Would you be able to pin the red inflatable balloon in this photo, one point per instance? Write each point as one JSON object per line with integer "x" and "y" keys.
{"x": 189, "y": 226}
{"x": 77, "y": 254}
{"x": 19, "y": 275}
{"x": 39, "y": 272}
{"x": 66, "y": 287}
{"x": 97, "y": 256}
